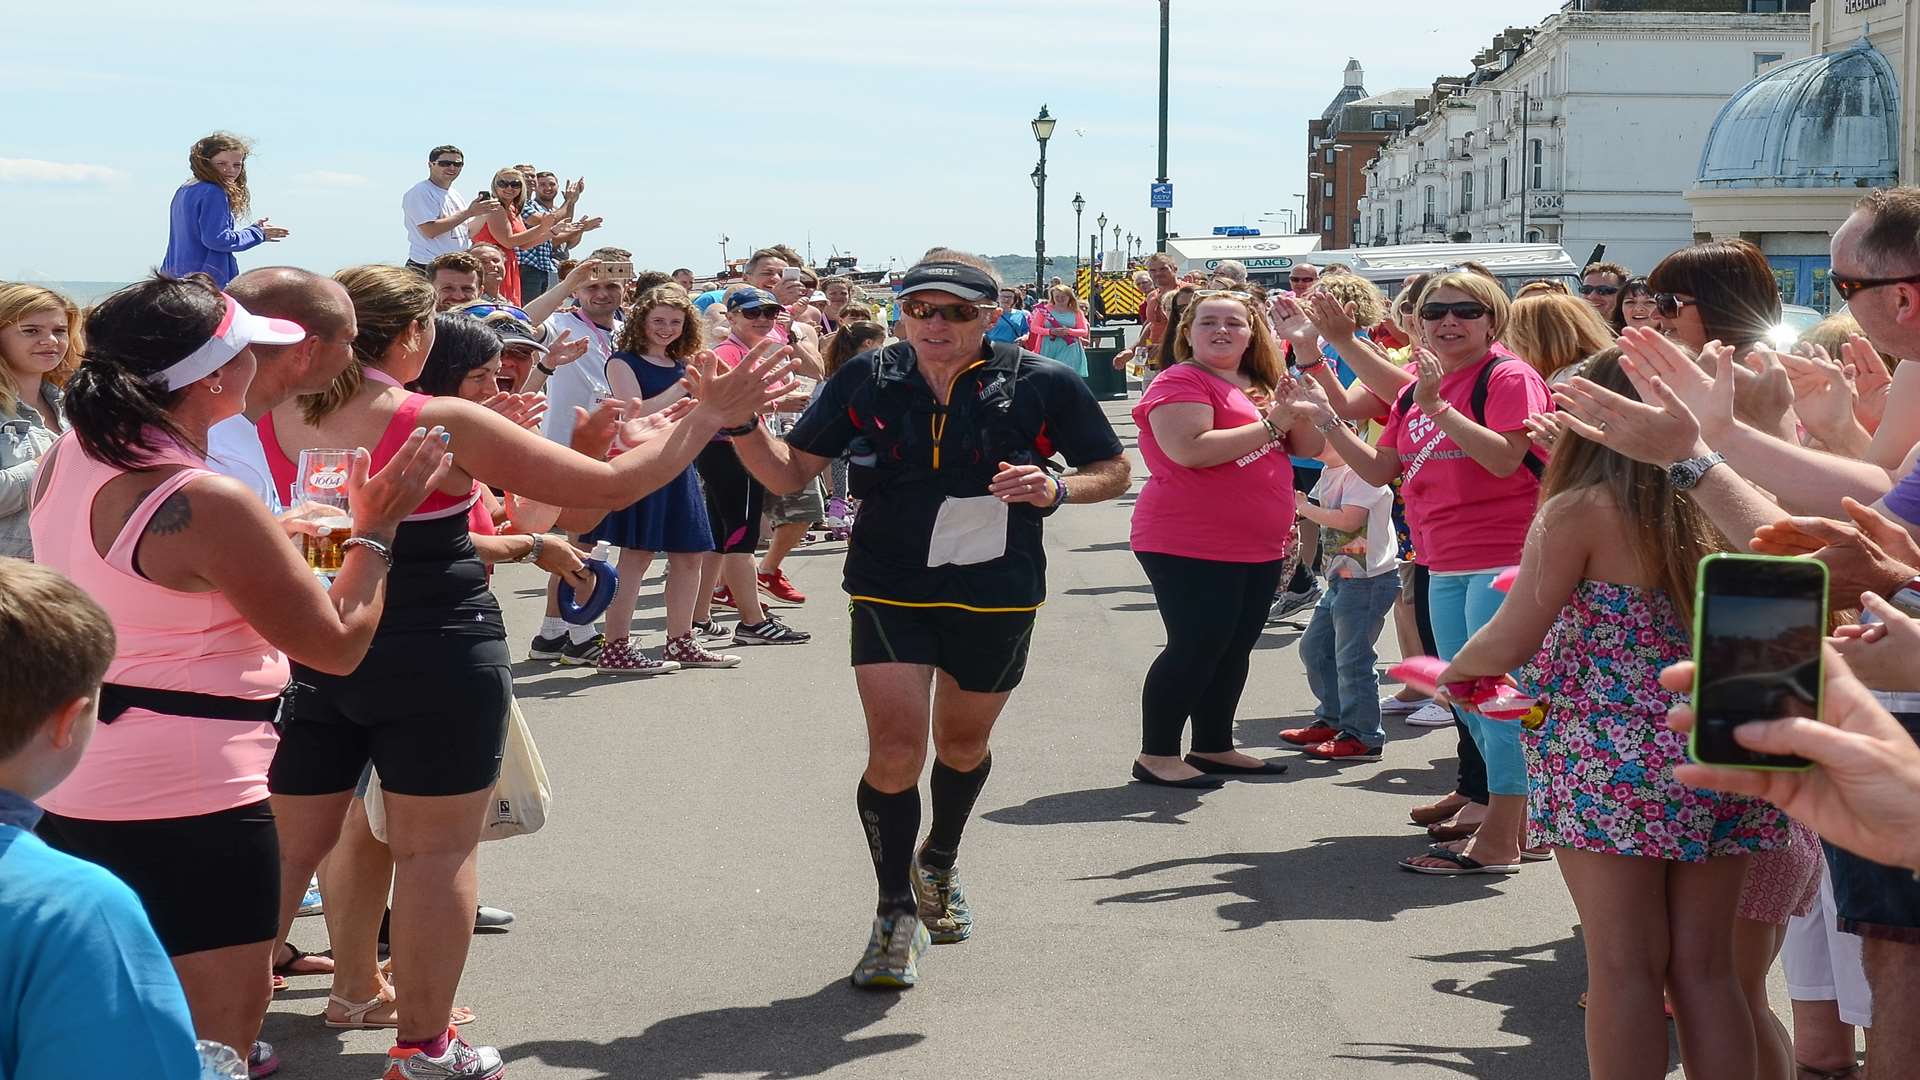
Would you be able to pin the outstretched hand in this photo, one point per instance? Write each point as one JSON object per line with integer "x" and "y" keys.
{"x": 761, "y": 378}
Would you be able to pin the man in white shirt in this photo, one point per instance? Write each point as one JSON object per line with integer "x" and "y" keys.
{"x": 436, "y": 216}
{"x": 321, "y": 306}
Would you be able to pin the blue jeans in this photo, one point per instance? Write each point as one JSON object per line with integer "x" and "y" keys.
{"x": 1338, "y": 652}
{"x": 533, "y": 283}
{"x": 1461, "y": 604}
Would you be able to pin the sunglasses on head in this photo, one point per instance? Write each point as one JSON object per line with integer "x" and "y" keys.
{"x": 1598, "y": 290}
{"x": 446, "y": 164}
{"x": 481, "y": 311}
{"x": 1848, "y": 286}
{"x": 1238, "y": 294}
{"x": 762, "y": 312}
{"x": 953, "y": 313}
{"x": 1669, "y": 304}
{"x": 1465, "y": 309}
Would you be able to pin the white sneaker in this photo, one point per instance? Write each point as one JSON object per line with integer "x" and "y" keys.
{"x": 1431, "y": 715}
{"x": 1393, "y": 706}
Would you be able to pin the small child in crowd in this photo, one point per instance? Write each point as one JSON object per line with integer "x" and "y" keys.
{"x": 84, "y": 984}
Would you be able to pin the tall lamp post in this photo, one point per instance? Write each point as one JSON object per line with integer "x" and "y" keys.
{"x": 1079, "y": 204}
{"x": 1042, "y": 131}
{"x": 1160, "y": 215}
{"x": 1099, "y": 230}
{"x": 1302, "y": 196}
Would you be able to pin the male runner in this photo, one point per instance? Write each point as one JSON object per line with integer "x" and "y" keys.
{"x": 951, "y": 438}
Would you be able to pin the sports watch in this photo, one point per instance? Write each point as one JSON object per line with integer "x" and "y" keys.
{"x": 1685, "y": 475}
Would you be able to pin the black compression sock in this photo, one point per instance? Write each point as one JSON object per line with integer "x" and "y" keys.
{"x": 892, "y": 823}
{"x": 953, "y": 795}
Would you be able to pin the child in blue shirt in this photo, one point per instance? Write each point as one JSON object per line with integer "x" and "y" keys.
{"x": 85, "y": 989}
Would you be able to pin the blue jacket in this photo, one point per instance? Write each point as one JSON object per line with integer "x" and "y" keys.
{"x": 202, "y": 234}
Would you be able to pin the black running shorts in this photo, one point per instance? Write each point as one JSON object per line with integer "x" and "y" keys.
{"x": 210, "y": 881}
{"x": 984, "y": 652}
{"x": 429, "y": 712}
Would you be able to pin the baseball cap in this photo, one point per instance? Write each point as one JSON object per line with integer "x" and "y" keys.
{"x": 751, "y": 297}
{"x": 963, "y": 281}
{"x": 818, "y": 297}
{"x": 238, "y": 329}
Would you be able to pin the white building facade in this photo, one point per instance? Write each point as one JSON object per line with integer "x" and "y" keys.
{"x": 1586, "y": 130}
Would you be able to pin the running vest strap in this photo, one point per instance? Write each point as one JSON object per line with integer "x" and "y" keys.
{"x": 894, "y": 446}
{"x": 1477, "y": 404}
{"x": 117, "y": 698}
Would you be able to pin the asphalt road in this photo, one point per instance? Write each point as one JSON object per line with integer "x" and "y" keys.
{"x": 702, "y": 890}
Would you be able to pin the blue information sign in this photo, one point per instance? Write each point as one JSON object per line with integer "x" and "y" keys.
{"x": 1160, "y": 196}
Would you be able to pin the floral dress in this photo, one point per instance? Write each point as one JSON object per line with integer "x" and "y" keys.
{"x": 1600, "y": 764}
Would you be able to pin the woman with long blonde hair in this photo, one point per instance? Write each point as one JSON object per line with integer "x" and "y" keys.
{"x": 1555, "y": 331}
{"x": 203, "y": 224}
{"x": 39, "y": 347}
{"x": 502, "y": 227}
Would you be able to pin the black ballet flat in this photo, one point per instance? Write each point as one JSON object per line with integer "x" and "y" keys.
{"x": 1192, "y": 783}
{"x": 1265, "y": 768}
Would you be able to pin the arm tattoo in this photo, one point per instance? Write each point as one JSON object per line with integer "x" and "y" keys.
{"x": 174, "y": 515}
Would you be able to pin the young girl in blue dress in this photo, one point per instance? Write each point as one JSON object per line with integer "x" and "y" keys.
{"x": 655, "y": 344}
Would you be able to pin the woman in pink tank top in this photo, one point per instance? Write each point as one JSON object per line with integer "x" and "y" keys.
{"x": 427, "y": 708}
{"x": 209, "y": 599}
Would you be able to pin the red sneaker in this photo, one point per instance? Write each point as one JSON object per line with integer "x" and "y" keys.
{"x": 1344, "y": 748}
{"x": 780, "y": 588}
{"x": 1308, "y": 736}
{"x": 723, "y": 598}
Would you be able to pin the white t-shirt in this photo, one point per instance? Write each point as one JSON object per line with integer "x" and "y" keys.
{"x": 428, "y": 201}
{"x": 233, "y": 449}
{"x": 583, "y": 382}
{"x": 1370, "y": 550}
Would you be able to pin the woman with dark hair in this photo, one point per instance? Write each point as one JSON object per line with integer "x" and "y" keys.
{"x": 856, "y": 335}
{"x": 203, "y": 224}
{"x": 1716, "y": 290}
{"x": 428, "y": 707}
{"x": 209, "y": 602}
{"x": 1637, "y": 306}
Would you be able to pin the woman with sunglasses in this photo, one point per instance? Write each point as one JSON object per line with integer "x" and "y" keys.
{"x": 1637, "y": 306}
{"x": 1470, "y": 481}
{"x": 501, "y": 225}
{"x": 1725, "y": 291}
{"x": 735, "y": 501}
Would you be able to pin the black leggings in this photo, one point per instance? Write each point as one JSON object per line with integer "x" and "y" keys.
{"x": 734, "y": 499}
{"x": 1213, "y": 612}
{"x": 1473, "y": 768}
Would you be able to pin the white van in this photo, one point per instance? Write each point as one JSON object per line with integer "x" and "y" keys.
{"x": 1513, "y": 264}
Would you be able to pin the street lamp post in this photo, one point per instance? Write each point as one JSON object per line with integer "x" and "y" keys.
{"x": 1160, "y": 214}
{"x": 1079, "y": 204}
{"x": 1116, "y": 242}
{"x": 724, "y": 240}
{"x": 1301, "y": 195}
{"x": 1042, "y": 131}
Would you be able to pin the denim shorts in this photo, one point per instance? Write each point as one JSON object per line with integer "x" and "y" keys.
{"x": 1871, "y": 899}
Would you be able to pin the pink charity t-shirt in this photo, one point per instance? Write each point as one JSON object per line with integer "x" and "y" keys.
{"x": 1462, "y": 516}
{"x": 1238, "y": 511}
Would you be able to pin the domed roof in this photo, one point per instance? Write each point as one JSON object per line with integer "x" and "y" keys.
{"x": 1823, "y": 121}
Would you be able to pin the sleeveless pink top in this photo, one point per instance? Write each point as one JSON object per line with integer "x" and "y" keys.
{"x": 145, "y": 765}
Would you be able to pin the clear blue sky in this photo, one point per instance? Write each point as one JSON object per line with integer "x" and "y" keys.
{"x": 879, "y": 128}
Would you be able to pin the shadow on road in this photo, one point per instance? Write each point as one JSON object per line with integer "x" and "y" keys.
{"x": 1340, "y": 878}
{"x": 1106, "y": 590}
{"x": 1537, "y": 987}
{"x": 1111, "y": 545}
{"x": 792, "y": 1037}
{"x": 1131, "y": 801}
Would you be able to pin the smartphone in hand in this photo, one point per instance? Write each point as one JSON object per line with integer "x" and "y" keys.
{"x": 1758, "y": 624}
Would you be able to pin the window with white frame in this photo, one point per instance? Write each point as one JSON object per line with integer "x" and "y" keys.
{"x": 1428, "y": 218}
{"x": 1762, "y": 59}
{"x": 1539, "y": 178}
{"x": 1466, "y": 192}
{"x": 1326, "y": 189}
{"x": 1503, "y": 179}
{"x": 1326, "y": 223}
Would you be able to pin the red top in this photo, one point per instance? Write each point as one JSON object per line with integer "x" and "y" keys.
{"x": 405, "y": 419}
{"x": 509, "y": 285}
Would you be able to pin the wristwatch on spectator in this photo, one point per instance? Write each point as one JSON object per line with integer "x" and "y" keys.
{"x": 1685, "y": 475}
{"x": 1907, "y": 598}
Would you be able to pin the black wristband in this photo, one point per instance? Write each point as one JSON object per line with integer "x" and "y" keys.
{"x": 743, "y": 429}
{"x": 544, "y": 369}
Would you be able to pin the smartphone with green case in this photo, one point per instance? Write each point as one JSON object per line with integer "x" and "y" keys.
{"x": 1758, "y": 625}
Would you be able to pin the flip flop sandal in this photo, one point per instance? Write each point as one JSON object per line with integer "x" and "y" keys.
{"x": 277, "y": 982}
{"x": 1808, "y": 1072}
{"x": 292, "y": 967}
{"x": 1460, "y": 864}
{"x": 357, "y": 1013}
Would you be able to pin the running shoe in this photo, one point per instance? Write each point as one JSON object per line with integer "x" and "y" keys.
{"x": 1311, "y": 735}
{"x": 711, "y": 630}
{"x": 577, "y": 653}
{"x": 1431, "y": 715}
{"x": 1344, "y": 748}
{"x": 621, "y": 658}
{"x": 491, "y": 918}
{"x": 262, "y": 1061}
{"x": 891, "y": 961}
{"x": 1288, "y": 604}
{"x": 548, "y": 648}
{"x": 778, "y": 586}
{"x": 461, "y": 1062}
{"x": 723, "y": 597}
{"x": 771, "y": 632}
{"x": 944, "y": 910}
{"x": 688, "y": 653}
{"x": 1394, "y": 706}
{"x": 310, "y": 904}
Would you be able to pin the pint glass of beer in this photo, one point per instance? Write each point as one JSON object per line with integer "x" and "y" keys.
{"x": 322, "y": 479}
